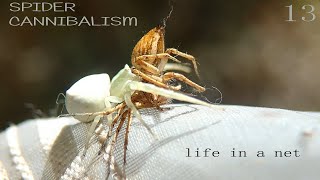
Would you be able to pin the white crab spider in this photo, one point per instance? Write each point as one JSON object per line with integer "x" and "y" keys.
{"x": 93, "y": 94}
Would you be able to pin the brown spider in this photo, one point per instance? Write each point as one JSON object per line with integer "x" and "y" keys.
{"x": 149, "y": 58}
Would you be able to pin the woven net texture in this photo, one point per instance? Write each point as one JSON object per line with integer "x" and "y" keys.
{"x": 53, "y": 148}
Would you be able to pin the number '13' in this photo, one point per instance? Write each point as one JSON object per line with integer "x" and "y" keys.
{"x": 309, "y": 11}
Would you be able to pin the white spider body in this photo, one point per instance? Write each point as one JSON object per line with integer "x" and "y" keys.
{"x": 119, "y": 84}
{"x": 88, "y": 95}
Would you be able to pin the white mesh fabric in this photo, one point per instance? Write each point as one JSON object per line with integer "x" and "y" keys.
{"x": 183, "y": 126}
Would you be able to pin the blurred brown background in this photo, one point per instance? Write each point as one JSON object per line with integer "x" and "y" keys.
{"x": 244, "y": 48}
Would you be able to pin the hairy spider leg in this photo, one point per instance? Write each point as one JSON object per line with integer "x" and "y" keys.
{"x": 142, "y": 62}
{"x": 127, "y": 98}
{"x": 186, "y": 56}
{"x": 171, "y": 75}
{"x": 110, "y": 148}
{"x": 126, "y": 141}
{"x": 166, "y": 77}
{"x": 126, "y": 115}
{"x": 105, "y": 112}
{"x": 115, "y": 120}
{"x": 156, "y": 81}
{"x": 98, "y": 116}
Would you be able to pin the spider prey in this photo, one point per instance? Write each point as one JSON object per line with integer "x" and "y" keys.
{"x": 149, "y": 59}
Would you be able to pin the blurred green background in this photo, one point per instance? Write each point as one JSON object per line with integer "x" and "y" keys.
{"x": 244, "y": 48}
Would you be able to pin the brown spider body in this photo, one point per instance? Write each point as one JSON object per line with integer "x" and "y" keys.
{"x": 149, "y": 58}
{"x": 151, "y": 43}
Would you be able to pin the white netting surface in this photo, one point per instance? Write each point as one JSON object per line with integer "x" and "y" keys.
{"x": 52, "y": 148}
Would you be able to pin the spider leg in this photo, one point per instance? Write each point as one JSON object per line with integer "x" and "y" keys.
{"x": 90, "y": 133}
{"x": 111, "y": 163}
{"x": 127, "y": 98}
{"x": 145, "y": 62}
{"x": 156, "y": 100}
{"x": 126, "y": 141}
{"x": 123, "y": 119}
{"x": 142, "y": 64}
{"x": 98, "y": 116}
{"x": 115, "y": 136}
{"x": 108, "y": 106}
{"x": 94, "y": 125}
{"x": 126, "y": 137}
{"x": 150, "y": 88}
{"x": 171, "y": 75}
{"x": 115, "y": 120}
{"x": 153, "y": 80}
{"x": 106, "y": 112}
{"x": 185, "y": 55}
